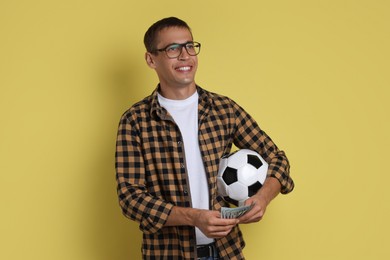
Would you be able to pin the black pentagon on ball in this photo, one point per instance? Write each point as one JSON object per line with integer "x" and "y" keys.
{"x": 253, "y": 189}
{"x": 254, "y": 161}
{"x": 229, "y": 175}
{"x": 231, "y": 201}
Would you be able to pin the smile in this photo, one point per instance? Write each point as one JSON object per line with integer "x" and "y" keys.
{"x": 187, "y": 68}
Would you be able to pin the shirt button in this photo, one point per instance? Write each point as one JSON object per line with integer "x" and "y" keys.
{"x": 183, "y": 166}
{"x": 185, "y": 192}
{"x": 179, "y": 143}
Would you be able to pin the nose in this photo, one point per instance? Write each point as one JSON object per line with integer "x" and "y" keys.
{"x": 184, "y": 54}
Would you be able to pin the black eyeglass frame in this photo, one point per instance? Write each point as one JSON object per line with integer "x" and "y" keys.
{"x": 180, "y": 45}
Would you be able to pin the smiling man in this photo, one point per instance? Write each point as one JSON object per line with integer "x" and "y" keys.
{"x": 175, "y": 68}
{"x": 168, "y": 151}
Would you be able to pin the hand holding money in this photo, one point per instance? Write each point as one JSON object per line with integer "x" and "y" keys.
{"x": 235, "y": 212}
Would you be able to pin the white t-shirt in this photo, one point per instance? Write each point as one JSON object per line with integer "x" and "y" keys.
{"x": 185, "y": 114}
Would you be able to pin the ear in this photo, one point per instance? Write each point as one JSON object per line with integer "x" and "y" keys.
{"x": 150, "y": 60}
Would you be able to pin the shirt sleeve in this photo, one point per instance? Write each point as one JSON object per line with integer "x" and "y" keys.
{"x": 249, "y": 135}
{"x": 137, "y": 204}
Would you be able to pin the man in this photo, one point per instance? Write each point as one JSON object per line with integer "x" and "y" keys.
{"x": 168, "y": 150}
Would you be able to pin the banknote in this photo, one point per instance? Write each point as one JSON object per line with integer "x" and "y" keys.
{"x": 235, "y": 212}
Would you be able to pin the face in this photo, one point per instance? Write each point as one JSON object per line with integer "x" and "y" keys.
{"x": 177, "y": 73}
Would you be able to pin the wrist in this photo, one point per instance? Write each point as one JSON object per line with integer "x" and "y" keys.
{"x": 181, "y": 216}
{"x": 270, "y": 190}
{"x": 194, "y": 216}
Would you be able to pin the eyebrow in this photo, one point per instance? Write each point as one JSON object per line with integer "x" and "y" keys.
{"x": 175, "y": 43}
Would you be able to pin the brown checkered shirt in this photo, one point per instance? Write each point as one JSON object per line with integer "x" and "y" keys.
{"x": 151, "y": 169}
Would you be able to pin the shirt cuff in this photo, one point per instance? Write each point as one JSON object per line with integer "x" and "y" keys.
{"x": 156, "y": 218}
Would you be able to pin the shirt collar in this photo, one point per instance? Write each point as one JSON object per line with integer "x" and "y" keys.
{"x": 205, "y": 101}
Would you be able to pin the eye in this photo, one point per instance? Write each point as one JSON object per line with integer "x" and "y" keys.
{"x": 190, "y": 46}
{"x": 172, "y": 48}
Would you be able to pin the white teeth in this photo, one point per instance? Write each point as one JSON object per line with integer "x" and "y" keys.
{"x": 184, "y": 68}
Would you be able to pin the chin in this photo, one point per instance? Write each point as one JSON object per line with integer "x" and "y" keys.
{"x": 186, "y": 82}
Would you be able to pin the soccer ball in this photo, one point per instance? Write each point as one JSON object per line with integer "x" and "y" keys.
{"x": 241, "y": 174}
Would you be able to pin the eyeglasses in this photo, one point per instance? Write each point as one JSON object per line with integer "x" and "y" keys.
{"x": 174, "y": 50}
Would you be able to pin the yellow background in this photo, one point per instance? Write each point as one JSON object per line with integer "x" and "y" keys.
{"x": 315, "y": 75}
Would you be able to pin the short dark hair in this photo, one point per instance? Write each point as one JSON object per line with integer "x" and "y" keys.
{"x": 153, "y": 31}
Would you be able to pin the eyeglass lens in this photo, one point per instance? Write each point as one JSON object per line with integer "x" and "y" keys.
{"x": 174, "y": 50}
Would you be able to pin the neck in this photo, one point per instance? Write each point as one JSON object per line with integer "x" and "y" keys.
{"x": 177, "y": 93}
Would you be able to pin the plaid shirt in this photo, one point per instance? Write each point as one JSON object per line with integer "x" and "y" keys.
{"x": 151, "y": 169}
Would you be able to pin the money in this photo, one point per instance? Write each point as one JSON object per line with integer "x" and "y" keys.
{"x": 235, "y": 212}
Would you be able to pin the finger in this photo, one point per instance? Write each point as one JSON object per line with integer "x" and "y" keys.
{"x": 253, "y": 217}
{"x": 223, "y": 222}
{"x": 218, "y": 229}
{"x": 253, "y": 212}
